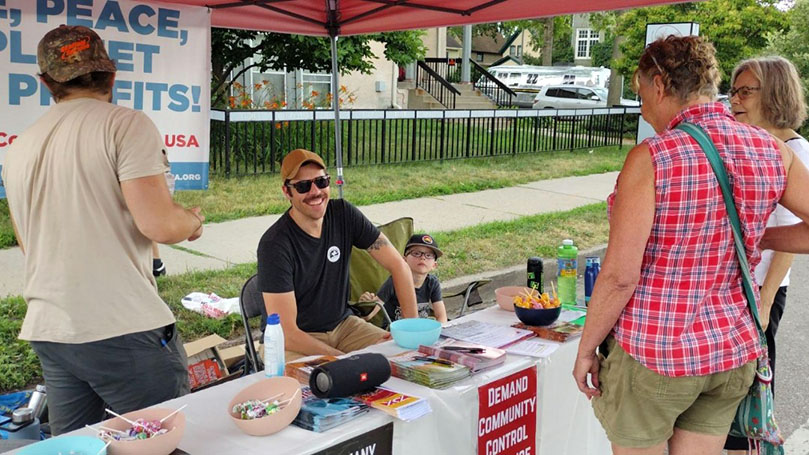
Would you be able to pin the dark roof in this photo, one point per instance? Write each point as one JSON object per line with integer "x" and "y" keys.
{"x": 482, "y": 44}
{"x": 502, "y": 60}
{"x": 508, "y": 42}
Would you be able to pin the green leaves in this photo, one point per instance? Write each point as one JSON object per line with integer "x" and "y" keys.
{"x": 737, "y": 28}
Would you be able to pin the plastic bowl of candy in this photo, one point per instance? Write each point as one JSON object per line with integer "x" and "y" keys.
{"x": 66, "y": 445}
{"x": 267, "y": 406}
{"x": 537, "y": 316}
{"x": 413, "y": 332}
{"x": 505, "y": 296}
{"x": 149, "y": 435}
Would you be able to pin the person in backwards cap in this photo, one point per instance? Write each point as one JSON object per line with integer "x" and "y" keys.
{"x": 86, "y": 180}
{"x": 303, "y": 264}
{"x": 421, "y": 255}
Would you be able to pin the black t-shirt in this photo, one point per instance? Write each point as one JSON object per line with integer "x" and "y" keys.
{"x": 429, "y": 292}
{"x": 289, "y": 259}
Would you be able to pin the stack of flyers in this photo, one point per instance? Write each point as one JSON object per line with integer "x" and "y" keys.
{"x": 427, "y": 370}
{"x": 476, "y": 356}
{"x": 321, "y": 415}
{"x": 301, "y": 370}
{"x": 399, "y": 405}
{"x": 558, "y": 331}
{"x": 485, "y": 333}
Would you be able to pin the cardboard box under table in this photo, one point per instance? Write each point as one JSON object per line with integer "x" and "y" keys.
{"x": 206, "y": 364}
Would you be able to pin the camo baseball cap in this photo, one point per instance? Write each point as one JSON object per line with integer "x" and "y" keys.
{"x": 70, "y": 51}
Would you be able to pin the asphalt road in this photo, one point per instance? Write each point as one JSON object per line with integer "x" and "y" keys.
{"x": 792, "y": 390}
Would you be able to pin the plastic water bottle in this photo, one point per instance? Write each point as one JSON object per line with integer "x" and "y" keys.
{"x": 590, "y": 275}
{"x": 567, "y": 259}
{"x": 273, "y": 347}
{"x": 535, "y": 274}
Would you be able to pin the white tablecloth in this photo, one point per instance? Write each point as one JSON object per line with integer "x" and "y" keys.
{"x": 565, "y": 420}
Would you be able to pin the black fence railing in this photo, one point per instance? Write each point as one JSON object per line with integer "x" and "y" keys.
{"x": 490, "y": 86}
{"x": 255, "y": 142}
{"x": 436, "y": 85}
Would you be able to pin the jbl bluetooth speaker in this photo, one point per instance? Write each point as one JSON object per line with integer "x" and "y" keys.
{"x": 348, "y": 376}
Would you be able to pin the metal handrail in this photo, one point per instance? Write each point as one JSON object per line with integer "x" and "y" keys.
{"x": 435, "y": 85}
{"x": 501, "y": 95}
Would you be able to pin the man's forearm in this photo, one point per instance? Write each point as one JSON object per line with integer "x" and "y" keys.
{"x": 790, "y": 239}
{"x": 301, "y": 342}
{"x": 405, "y": 290}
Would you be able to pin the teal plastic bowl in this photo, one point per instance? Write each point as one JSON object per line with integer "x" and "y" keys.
{"x": 411, "y": 333}
{"x": 79, "y": 445}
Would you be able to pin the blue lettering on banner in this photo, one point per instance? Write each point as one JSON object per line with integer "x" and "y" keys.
{"x": 2, "y": 187}
{"x": 190, "y": 176}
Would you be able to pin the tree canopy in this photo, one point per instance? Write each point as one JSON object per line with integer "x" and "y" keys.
{"x": 737, "y": 28}
{"x": 231, "y": 48}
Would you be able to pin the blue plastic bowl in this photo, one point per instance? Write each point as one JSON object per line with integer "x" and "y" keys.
{"x": 80, "y": 445}
{"x": 543, "y": 316}
{"x": 410, "y": 333}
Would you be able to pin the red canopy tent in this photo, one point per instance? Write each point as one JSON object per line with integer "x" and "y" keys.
{"x": 355, "y": 17}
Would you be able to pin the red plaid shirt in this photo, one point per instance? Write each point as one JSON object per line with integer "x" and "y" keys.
{"x": 688, "y": 315}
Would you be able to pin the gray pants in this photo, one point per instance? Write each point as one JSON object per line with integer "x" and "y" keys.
{"x": 124, "y": 373}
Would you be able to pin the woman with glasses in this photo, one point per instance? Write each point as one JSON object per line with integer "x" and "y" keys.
{"x": 767, "y": 92}
{"x": 679, "y": 343}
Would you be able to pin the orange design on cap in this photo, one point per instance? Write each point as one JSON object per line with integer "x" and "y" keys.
{"x": 427, "y": 239}
{"x": 69, "y": 50}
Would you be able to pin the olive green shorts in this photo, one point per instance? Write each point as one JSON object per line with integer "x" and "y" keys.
{"x": 640, "y": 408}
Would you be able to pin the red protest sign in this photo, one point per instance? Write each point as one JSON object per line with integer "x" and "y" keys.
{"x": 507, "y": 415}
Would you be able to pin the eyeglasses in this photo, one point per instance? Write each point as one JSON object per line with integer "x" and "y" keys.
{"x": 421, "y": 254}
{"x": 744, "y": 92}
{"x": 303, "y": 186}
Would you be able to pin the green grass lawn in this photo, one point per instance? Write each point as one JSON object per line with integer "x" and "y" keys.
{"x": 470, "y": 250}
{"x": 240, "y": 197}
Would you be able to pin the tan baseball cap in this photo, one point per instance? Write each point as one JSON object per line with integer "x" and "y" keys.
{"x": 297, "y": 158}
{"x": 70, "y": 51}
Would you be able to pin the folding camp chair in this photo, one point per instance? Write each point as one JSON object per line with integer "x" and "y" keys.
{"x": 251, "y": 304}
{"x": 366, "y": 275}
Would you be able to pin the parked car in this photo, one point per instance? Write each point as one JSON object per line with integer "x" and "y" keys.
{"x": 574, "y": 97}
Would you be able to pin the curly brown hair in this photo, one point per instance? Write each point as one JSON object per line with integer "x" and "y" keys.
{"x": 686, "y": 64}
{"x": 782, "y": 96}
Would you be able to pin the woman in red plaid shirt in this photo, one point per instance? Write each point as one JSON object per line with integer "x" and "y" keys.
{"x": 679, "y": 343}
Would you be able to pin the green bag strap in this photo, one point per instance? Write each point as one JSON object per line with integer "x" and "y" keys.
{"x": 718, "y": 166}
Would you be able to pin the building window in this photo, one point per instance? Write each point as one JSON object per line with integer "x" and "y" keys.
{"x": 512, "y": 51}
{"x": 585, "y": 38}
{"x": 519, "y": 51}
{"x": 479, "y": 57}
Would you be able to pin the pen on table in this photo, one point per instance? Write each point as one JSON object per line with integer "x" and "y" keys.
{"x": 463, "y": 349}
{"x": 434, "y": 360}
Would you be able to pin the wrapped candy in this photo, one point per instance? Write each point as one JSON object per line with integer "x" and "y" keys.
{"x": 141, "y": 429}
{"x": 256, "y": 409}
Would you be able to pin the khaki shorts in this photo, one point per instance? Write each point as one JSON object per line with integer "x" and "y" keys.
{"x": 640, "y": 408}
{"x": 350, "y": 335}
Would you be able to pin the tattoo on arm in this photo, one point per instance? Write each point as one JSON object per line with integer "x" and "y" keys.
{"x": 379, "y": 242}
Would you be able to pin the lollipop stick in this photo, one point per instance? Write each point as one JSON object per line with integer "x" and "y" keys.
{"x": 121, "y": 417}
{"x": 175, "y": 412}
{"x": 102, "y": 428}
{"x": 272, "y": 397}
{"x": 288, "y": 400}
{"x": 101, "y": 450}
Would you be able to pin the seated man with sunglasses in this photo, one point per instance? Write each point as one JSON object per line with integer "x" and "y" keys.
{"x": 303, "y": 264}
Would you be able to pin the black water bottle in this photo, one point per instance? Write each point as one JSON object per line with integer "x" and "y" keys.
{"x": 535, "y": 274}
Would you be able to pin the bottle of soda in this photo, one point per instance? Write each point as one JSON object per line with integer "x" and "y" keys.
{"x": 535, "y": 274}
{"x": 590, "y": 273}
{"x": 567, "y": 259}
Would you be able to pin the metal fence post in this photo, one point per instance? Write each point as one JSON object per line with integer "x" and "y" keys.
{"x": 621, "y": 132}
{"x": 227, "y": 143}
{"x": 441, "y": 138}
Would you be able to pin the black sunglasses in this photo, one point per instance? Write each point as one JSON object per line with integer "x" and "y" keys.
{"x": 303, "y": 186}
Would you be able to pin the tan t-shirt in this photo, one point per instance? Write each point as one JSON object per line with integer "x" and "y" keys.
{"x": 88, "y": 271}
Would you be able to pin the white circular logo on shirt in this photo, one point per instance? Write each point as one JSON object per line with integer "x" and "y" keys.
{"x": 333, "y": 254}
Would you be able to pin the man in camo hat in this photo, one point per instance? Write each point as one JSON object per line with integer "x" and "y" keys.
{"x": 87, "y": 196}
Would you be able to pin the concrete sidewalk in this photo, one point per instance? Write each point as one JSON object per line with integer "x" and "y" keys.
{"x": 235, "y": 242}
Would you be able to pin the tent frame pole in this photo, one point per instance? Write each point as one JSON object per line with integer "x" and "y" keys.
{"x": 335, "y": 99}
